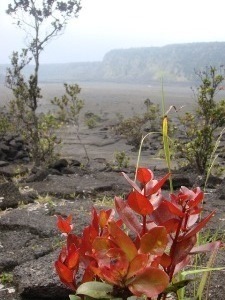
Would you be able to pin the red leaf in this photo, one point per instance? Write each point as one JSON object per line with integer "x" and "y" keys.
{"x": 118, "y": 261}
{"x": 112, "y": 265}
{"x": 158, "y": 185}
{"x": 137, "y": 264}
{"x": 122, "y": 240}
{"x": 155, "y": 241}
{"x": 101, "y": 243}
{"x": 131, "y": 182}
{"x": 72, "y": 239}
{"x": 182, "y": 265}
{"x": 139, "y": 203}
{"x": 210, "y": 247}
{"x": 162, "y": 214}
{"x": 89, "y": 234}
{"x": 174, "y": 209}
{"x": 111, "y": 276}
{"x": 197, "y": 227}
{"x": 127, "y": 215}
{"x": 151, "y": 282}
{"x": 72, "y": 260}
{"x": 144, "y": 175}
{"x": 199, "y": 197}
{"x": 95, "y": 223}
{"x": 171, "y": 225}
{"x": 64, "y": 225}
{"x": 165, "y": 260}
{"x": 182, "y": 249}
{"x": 88, "y": 274}
{"x": 104, "y": 216}
{"x": 65, "y": 274}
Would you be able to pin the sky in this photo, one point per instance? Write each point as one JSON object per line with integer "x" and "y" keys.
{"x": 104, "y": 25}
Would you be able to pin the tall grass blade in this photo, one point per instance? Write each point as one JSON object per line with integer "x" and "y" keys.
{"x": 206, "y": 275}
{"x": 139, "y": 152}
{"x": 167, "y": 148}
{"x": 213, "y": 157}
{"x": 165, "y": 137}
{"x": 182, "y": 276}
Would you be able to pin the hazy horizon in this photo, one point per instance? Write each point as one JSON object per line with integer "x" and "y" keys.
{"x": 100, "y": 60}
{"x": 104, "y": 25}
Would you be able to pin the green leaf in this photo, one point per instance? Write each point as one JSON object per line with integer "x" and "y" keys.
{"x": 95, "y": 289}
{"x": 178, "y": 285}
{"x": 190, "y": 272}
{"x": 74, "y": 297}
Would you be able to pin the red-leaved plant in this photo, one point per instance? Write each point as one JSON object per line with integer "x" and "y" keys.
{"x": 136, "y": 249}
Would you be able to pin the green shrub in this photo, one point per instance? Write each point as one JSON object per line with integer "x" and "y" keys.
{"x": 69, "y": 107}
{"x": 5, "y": 124}
{"x": 6, "y": 277}
{"x": 134, "y": 128}
{"x": 121, "y": 159}
{"x": 91, "y": 120}
{"x": 199, "y": 129}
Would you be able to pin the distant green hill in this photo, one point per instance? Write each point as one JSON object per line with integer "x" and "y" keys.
{"x": 176, "y": 63}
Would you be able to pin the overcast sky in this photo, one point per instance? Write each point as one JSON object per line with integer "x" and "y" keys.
{"x": 103, "y": 25}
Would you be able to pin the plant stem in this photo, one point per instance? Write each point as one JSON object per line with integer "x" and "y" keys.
{"x": 173, "y": 247}
{"x": 144, "y": 225}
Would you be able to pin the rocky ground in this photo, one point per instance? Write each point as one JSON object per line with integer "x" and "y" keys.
{"x": 30, "y": 242}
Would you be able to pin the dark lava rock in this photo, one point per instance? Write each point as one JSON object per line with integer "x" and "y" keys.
{"x": 60, "y": 164}
{"x": 13, "y": 148}
{"x": 32, "y": 217}
{"x": 178, "y": 180}
{"x": 13, "y": 170}
{"x": 69, "y": 170}
{"x": 40, "y": 175}
{"x": 84, "y": 185}
{"x": 37, "y": 280}
{"x": 20, "y": 246}
{"x": 75, "y": 163}
{"x": 9, "y": 195}
{"x": 221, "y": 190}
{"x": 3, "y": 163}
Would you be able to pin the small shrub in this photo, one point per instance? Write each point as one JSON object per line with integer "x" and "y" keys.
{"x": 6, "y": 277}
{"x": 36, "y": 129}
{"x": 198, "y": 130}
{"x": 131, "y": 129}
{"x": 48, "y": 140}
{"x": 69, "y": 107}
{"x": 91, "y": 120}
{"x": 121, "y": 160}
{"x": 134, "y": 128}
{"x": 5, "y": 124}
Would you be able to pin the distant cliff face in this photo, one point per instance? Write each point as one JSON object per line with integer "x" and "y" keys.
{"x": 175, "y": 63}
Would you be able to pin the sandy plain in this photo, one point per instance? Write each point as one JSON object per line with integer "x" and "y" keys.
{"x": 108, "y": 100}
